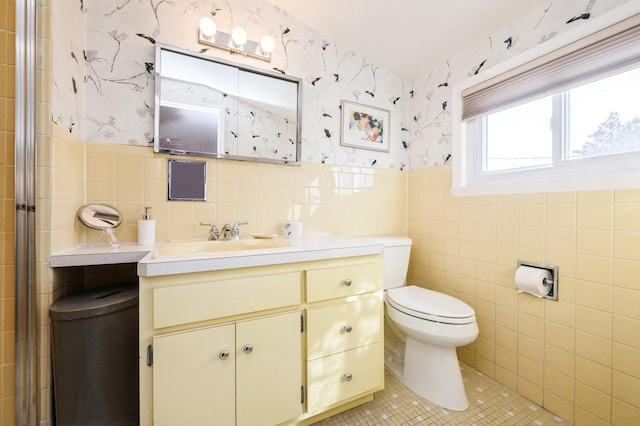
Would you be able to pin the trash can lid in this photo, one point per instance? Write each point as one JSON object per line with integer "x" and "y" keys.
{"x": 94, "y": 303}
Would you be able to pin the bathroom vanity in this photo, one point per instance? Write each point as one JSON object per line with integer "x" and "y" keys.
{"x": 284, "y": 335}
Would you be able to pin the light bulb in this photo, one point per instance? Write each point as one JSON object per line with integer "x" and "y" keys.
{"x": 267, "y": 44}
{"x": 207, "y": 27}
{"x": 239, "y": 36}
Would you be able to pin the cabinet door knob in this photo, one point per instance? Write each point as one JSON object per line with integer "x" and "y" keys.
{"x": 348, "y": 328}
{"x": 224, "y": 354}
{"x": 348, "y": 377}
{"x": 347, "y": 282}
{"x": 248, "y": 348}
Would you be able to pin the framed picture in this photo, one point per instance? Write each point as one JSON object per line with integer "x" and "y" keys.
{"x": 364, "y": 127}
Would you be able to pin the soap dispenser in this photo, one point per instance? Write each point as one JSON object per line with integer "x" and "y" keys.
{"x": 146, "y": 229}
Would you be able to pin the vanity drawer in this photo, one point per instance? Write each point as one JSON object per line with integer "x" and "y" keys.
{"x": 344, "y": 326}
{"x": 345, "y": 375}
{"x": 183, "y": 304}
{"x": 331, "y": 283}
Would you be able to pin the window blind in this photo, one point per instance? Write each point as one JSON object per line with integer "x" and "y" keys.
{"x": 607, "y": 52}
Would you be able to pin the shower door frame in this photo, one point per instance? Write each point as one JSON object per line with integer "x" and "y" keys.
{"x": 26, "y": 338}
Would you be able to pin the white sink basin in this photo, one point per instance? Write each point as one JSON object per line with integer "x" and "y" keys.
{"x": 212, "y": 248}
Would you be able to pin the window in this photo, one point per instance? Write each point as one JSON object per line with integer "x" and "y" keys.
{"x": 565, "y": 120}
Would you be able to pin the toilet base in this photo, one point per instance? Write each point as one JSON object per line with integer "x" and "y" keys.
{"x": 433, "y": 372}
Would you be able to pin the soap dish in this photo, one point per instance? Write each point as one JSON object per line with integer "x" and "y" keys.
{"x": 264, "y": 236}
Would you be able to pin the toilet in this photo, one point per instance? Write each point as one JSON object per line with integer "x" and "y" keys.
{"x": 423, "y": 328}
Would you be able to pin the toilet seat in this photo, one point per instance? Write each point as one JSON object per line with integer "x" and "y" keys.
{"x": 430, "y": 305}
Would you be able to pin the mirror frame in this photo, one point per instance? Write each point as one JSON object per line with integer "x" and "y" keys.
{"x": 267, "y": 73}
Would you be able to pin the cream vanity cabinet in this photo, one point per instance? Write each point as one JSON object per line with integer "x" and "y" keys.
{"x": 263, "y": 345}
{"x": 222, "y": 348}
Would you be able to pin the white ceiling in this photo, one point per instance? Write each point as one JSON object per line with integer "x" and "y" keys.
{"x": 408, "y": 37}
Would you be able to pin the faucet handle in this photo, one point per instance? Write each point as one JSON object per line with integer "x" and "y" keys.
{"x": 235, "y": 232}
{"x": 236, "y": 224}
{"x": 214, "y": 234}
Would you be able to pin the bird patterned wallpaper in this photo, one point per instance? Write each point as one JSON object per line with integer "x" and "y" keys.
{"x": 103, "y": 71}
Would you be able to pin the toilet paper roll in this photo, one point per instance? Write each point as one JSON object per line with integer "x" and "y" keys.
{"x": 533, "y": 280}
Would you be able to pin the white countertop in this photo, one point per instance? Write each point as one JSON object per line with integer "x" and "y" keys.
{"x": 307, "y": 248}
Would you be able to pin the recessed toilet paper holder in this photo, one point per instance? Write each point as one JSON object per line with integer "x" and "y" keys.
{"x": 553, "y": 269}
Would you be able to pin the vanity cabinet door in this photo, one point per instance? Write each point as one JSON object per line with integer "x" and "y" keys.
{"x": 269, "y": 369}
{"x": 194, "y": 377}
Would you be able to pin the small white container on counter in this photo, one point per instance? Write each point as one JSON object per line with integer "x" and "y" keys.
{"x": 146, "y": 229}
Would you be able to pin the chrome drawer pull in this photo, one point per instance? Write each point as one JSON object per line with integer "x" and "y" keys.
{"x": 348, "y": 377}
{"x": 348, "y": 328}
{"x": 224, "y": 354}
{"x": 347, "y": 282}
{"x": 248, "y": 348}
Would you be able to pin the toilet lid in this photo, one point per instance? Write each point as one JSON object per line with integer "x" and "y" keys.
{"x": 430, "y": 305}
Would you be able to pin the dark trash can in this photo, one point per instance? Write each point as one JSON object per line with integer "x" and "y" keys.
{"x": 95, "y": 357}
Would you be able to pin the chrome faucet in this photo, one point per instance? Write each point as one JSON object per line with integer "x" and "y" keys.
{"x": 232, "y": 232}
{"x": 214, "y": 234}
{"x": 228, "y": 232}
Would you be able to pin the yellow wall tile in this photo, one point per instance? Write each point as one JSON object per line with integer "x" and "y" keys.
{"x": 627, "y": 195}
{"x": 626, "y": 360}
{"x": 624, "y": 414}
{"x": 530, "y": 390}
{"x": 594, "y": 295}
{"x": 561, "y": 215}
{"x": 485, "y": 349}
{"x": 625, "y": 388}
{"x": 559, "y": 360}
{"x": 532, "y": 237}
{"x": 626, "y": 331}
{"x": 594, "y": 242}
{"x": 626, "y": 273}
{"x": 593, "y": 347}
{"x": 561, "y": 239}
{"x": 593, "y": 321}
{"x": 560, "y": 312}
{"x": 561, "y": 197}
{"x": 559, "y": 384}
{"x": 594, "y": 216}
{"x": 593, "y": 374}
{"x": 531, "y": 305}
{"x": 625, "y": 245}
{"x": 485, "y": 366}
{"x": 560, "y": 336}
{"x": 507, "y": 297}
{"x": 604, "y": 196}
{"x": 506, "y": 359}
{"x": 530, "y": 370}
{"x": 626, "y": 217}
{"x": 626, "y": 302}
{"x": 129, "y": 166}
{"x": 530, "y": 348}
{"x": 585, "y": 418}
{"x": 593, "y": 401}
{"x": 506, "y": 377}
{"x": 595, "y": 269}
{"x": 558, "y": 405}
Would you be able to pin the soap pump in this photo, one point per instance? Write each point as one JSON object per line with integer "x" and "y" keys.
{"x": 146, "y": 229}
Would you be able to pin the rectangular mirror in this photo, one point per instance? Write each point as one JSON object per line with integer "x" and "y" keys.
{"x": 210, "y": 107}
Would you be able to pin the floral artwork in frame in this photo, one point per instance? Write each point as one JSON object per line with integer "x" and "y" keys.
{"x": 364, "y": 127}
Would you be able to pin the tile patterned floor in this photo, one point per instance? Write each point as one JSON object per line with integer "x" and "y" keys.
{"x": 490, "y": 404}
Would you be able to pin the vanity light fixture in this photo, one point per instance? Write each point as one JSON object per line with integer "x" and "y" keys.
{"x": 236, "y": 42}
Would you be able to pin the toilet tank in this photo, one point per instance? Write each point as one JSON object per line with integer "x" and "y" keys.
{"x": 396, "y": 260}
